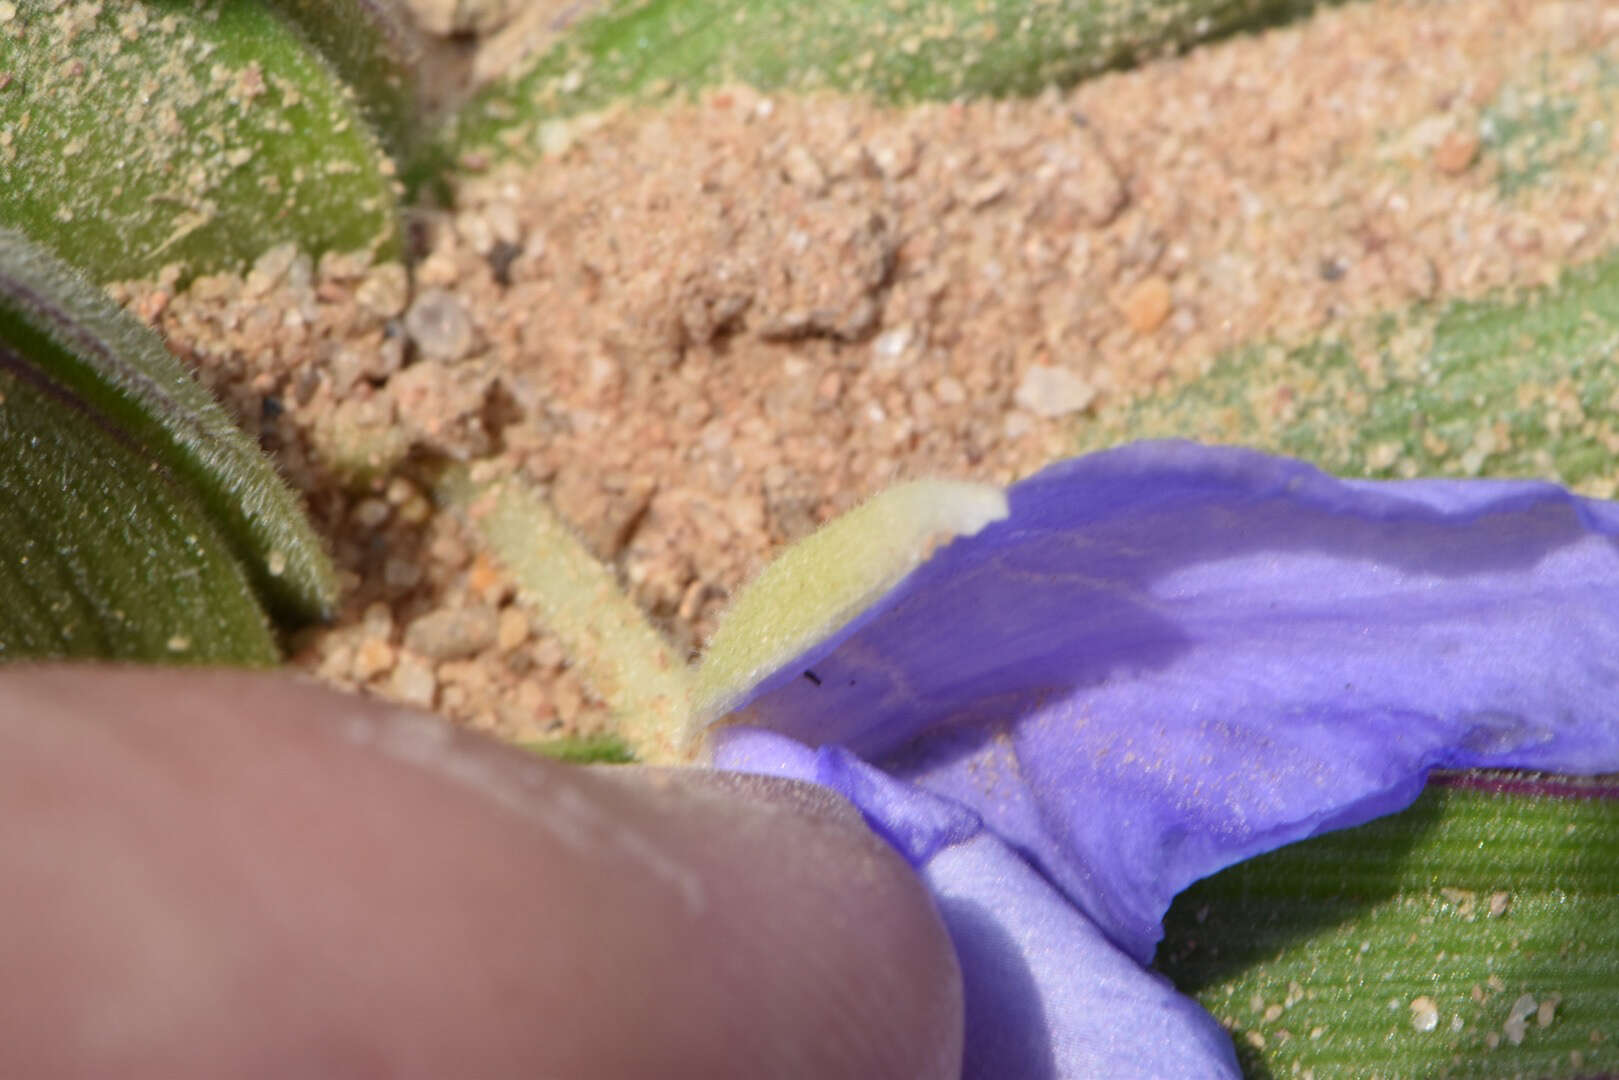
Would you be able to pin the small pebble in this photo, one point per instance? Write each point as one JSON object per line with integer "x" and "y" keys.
{"x": 949, "y": 391}
{"x": 384, "y": 290}
{"x": 374, "y": 657}
{"x": 891, "y": 344}
{"x": 568, "y": 698}
{"x": 1456, "y": 152}
{"x": 1095, "y": 184}
{"x": 1016, "y": 424}
{"x": 803, "y": 170}
{"x": 503, "y": 220}
{"x": 412, "y": 682}
{"x": 270, "y": 269}
{"x": 401, "y": 573}
{"x": 476, "y": 231}
{"x": 439, "y": 325}
{"x": 370, "y": 513}
{"x": 1147, "y": 305}
{"x": 452, "y": 633}
{"x": 1049, "y": 392}
{"x": 512, "y": 629}
{"x": 378, "y": 620}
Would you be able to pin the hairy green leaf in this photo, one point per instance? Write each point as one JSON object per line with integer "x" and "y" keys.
{"x": 377, "y": 51}
{"x": 102, "y": 554}
{"x": 904, "y": 50}
{"x": 608, "y": 639}
{"x": 67, "y": 339}
{"x": 139, "y": 134}
{"x": 1523, "y": 386}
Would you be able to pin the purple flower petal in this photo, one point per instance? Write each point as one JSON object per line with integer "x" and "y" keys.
{"x": 1047, "y": 995}
{"x": 1170, "y": 658}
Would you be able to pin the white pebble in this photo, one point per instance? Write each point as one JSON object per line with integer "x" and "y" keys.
{"x": 1053, "y": 391}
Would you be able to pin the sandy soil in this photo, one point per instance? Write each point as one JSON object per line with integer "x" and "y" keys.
{"x": 707, "y": 329}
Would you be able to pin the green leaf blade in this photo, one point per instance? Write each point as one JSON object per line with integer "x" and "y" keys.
{"x": 377, "y": 52}
{"x": 905, "y": 51}
{"x": 1411, "y": 946}
{"x": 584, "y": 750}
{"x": 140, "y": 134}
{"x": 104, "y": 556}
{"x": 1510, "y": 386}
{"x": 74, "y": 338}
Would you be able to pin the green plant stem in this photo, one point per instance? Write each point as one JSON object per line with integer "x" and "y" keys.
{"x": 606, "y": 637}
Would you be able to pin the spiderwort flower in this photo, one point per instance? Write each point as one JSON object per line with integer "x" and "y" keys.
{"x": 1161, "y": 660}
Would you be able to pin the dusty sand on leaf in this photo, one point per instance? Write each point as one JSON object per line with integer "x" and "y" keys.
{"x": 706, "y": 330}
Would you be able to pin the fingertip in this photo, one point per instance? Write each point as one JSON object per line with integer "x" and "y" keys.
{"x": 212, "y": 872}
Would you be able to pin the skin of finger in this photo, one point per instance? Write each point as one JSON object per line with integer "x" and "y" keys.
{"x": 208, "y": 873}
